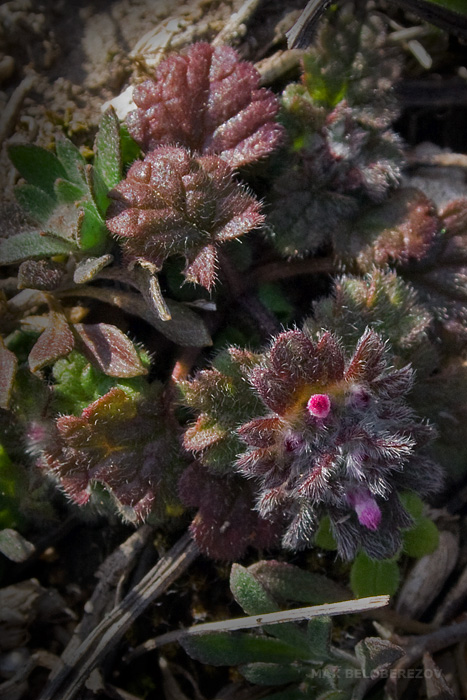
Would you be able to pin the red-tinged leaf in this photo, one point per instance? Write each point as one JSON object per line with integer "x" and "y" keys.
{"x": 454, "y": 217}
{"x": 277, "y": 392}
{"x": 202, "y": 434}
{"x": 368, "y": 361}
{"x": 110, "y": 350}
{"x": 123, "y": 442}
{"x": 261, "y": 432}
{"x": 8, "y": 365}
{"x": 203, "y": 268}
{"x": 226, "y": 522}
{"x": 400, "y": 230}
{"x": 175, "y": 204}
{"x": 294, "y": 354}
{"x": 208, "y": 101}
{"x": 331, "y": 358}
{"x": 56, "y": 341}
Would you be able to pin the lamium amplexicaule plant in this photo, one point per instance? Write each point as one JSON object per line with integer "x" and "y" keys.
{"x": 145, "y": 375}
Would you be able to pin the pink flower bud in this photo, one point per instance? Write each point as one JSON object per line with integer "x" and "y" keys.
{"x": 366, "y": 508}
{"x": 319, "y": 405}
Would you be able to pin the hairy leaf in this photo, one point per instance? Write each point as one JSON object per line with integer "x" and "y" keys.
{"x": 110, "y": 349}
{"x": 174, "y": 204}
{"x": 208, "y": 101}
{"x": 31, "y": 244}
{"x": 56, "y": 341}
{"x": 369, "y": 577}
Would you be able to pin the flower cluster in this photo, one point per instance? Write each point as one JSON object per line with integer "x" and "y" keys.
{"x": 335, "y": 436}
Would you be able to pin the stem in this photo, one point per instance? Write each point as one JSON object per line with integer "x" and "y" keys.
{"x": 108, "y": 633}
{"x": 279, "y": 270}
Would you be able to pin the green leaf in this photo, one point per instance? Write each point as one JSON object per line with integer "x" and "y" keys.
{"x": 78, "y": 383}
{"x": 108, "y": 161}
{"x": 67, "y": 192}
{"x": 370, "y": 577}
{"x": 12, "y": 486}
{"x": 422, "y": 539}
{"x": 319, "y": 632}
{"x": 250, "y": 593}
{"x": 73, "y": 162}
{"x": 14, "y": 546}
{"x": 31, "y": 244}
{"x": 129, "y": 148}
{"x": 275, "y": 300}
{"x": 376, "y": 655}
{"x": 92, "y": 232}
{"x": 324, "y": 537}
{"x": 271, "y": 674}
{"x": 38, "y": 166}
{"x": 287, "y": 582}
{"x": 98, "y": 189}
{"x": 35, "y": 202}
{"x": 8, "y": 365}
{"x": 224, "y": 649}
{"x": 412, "y": 503}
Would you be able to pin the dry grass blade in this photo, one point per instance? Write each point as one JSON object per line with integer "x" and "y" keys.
{"x": 345, "y": 607}
{"x": 108, "y": 633}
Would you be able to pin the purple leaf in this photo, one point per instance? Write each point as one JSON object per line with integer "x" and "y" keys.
{"x": 175, "y": 204}
{"x": 208, "y": 101}
{"x": 55, "y": 341}
{"x": 123, "y": 442}
{"x": 110, "y": 349}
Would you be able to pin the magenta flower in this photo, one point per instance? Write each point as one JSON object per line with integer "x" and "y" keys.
{"x": 332, "y": 435}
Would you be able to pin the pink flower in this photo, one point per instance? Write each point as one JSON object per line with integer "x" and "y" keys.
{"x": 366, "y": 508}
{"x": 319, "y": 405}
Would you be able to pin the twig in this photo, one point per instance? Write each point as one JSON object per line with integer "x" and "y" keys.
{"x": 301, "y": 34}
{"x": 279, "y": 64}
{"x": 445, "y": 160}
{"x": 108, "y": 633}
{"x": 10, "y": 112}
{"x": 235, "y": 27}
{"x": 342, "y": 608}
{"x": 108, "y": 574}
{"x": 415, "y": 647}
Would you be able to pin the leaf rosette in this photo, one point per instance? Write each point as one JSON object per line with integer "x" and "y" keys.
{"x": 172, "y": 203}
